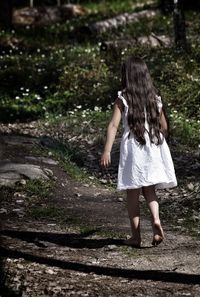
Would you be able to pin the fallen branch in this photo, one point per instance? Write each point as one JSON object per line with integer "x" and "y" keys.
{"x": 151, "y": 41}
{"x": 46, "y": 14}
{"x": 120, "y": 20}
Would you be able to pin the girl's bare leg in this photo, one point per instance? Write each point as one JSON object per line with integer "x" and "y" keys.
{"x": 152, "y": 201}
{"x": 134, "y": 216}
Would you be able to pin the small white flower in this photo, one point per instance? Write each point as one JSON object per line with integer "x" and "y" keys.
{"x": 38, "y": 97}
{"x": 96, "y": 108}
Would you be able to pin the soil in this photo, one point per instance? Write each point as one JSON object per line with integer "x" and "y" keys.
{"x": 82, "y": 253}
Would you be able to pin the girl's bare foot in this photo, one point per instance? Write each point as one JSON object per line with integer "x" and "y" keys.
{"x": 134, "y": 242}
{"x": 158, "y": 233}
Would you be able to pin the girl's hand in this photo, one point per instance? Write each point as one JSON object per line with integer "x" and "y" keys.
{"x": 105, "y": 159}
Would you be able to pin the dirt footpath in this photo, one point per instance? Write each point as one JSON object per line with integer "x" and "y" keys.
{"x": 84, "y": 254}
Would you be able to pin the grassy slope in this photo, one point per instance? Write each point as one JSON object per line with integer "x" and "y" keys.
{"x": 47, "y": 70}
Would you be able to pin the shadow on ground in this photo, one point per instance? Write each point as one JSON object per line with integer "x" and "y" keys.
{"x": 154, "y": 275}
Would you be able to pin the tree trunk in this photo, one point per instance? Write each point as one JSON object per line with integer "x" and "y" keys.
{"x": 44, "y": 15}
{"x": 151, "y": 41}
{"x": 6, "y": 7}
{"x": 120, "y": 20}
{"x": 179, "y": 26}
{"x": 31, "y": 3}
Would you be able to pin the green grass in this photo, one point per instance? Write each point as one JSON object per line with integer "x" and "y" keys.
{"x": 38, "y": 188}
{"x": 71, "y": 159}
{"x": 50, "y": 212}
{"x": 54, "y": 72}
{"x": 113, "y": 7}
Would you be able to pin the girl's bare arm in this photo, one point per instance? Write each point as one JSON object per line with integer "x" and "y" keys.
{"x": 163, "y": 124}
{"x": 111, "y": 133}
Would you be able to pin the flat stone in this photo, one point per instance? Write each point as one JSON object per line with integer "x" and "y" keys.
{"x": 42, "y": 160}
{"x": 20, "y": 140}
{"x": 9, "y": 178}
{"x": 10, "y": 173}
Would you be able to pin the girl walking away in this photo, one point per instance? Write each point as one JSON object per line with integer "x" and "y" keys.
{"x": 145, "y": 160}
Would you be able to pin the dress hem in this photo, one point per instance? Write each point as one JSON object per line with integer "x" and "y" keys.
{"x": 157, "y": 186}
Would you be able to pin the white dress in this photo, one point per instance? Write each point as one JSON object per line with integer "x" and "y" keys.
{"x": 146, "y": 165}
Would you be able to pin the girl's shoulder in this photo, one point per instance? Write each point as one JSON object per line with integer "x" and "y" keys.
{"x": 159, "y": 102}
{"x": 121, "y": 97}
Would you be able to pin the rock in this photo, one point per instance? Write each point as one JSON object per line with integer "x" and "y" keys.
{"x": 9, "y": 178}
{"x": 103, "y": 181}
{"x": 50, "y": 271}
{"x": 78, "y": 194}
{"x": 16, "y": 209}
{"x": 196, "y": 218}
{"x": 23, "y": 181}
{"x": 111, "y": 247}
{"x": 48, "y": 171}
{"x": 190, "y": 186}
{"x": 19, "y": 201}
{"x": 3, "y": 210}
{"x": 42, "y": 160}
{"x": 19, "y": 195}
{"x": 19, "y": 140}
{"x": 10, "y": 173}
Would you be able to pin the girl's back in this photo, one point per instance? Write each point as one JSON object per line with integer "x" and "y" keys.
{"x": 145, "y": 158}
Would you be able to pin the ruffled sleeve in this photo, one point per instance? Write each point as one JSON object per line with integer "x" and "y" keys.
{"x": 159, "y": 103}
{"x": 119, "y": 94}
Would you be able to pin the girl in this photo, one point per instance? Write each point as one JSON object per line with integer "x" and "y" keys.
{"x": 145, "y": 160}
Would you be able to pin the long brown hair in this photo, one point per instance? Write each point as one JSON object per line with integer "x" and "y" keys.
{"x": 140, "y": 94}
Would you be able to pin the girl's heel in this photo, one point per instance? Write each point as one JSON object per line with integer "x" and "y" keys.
{"x": 158, "y": 234}
{"x": 133, "y": 242}
{"x": 157, "y": 239}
